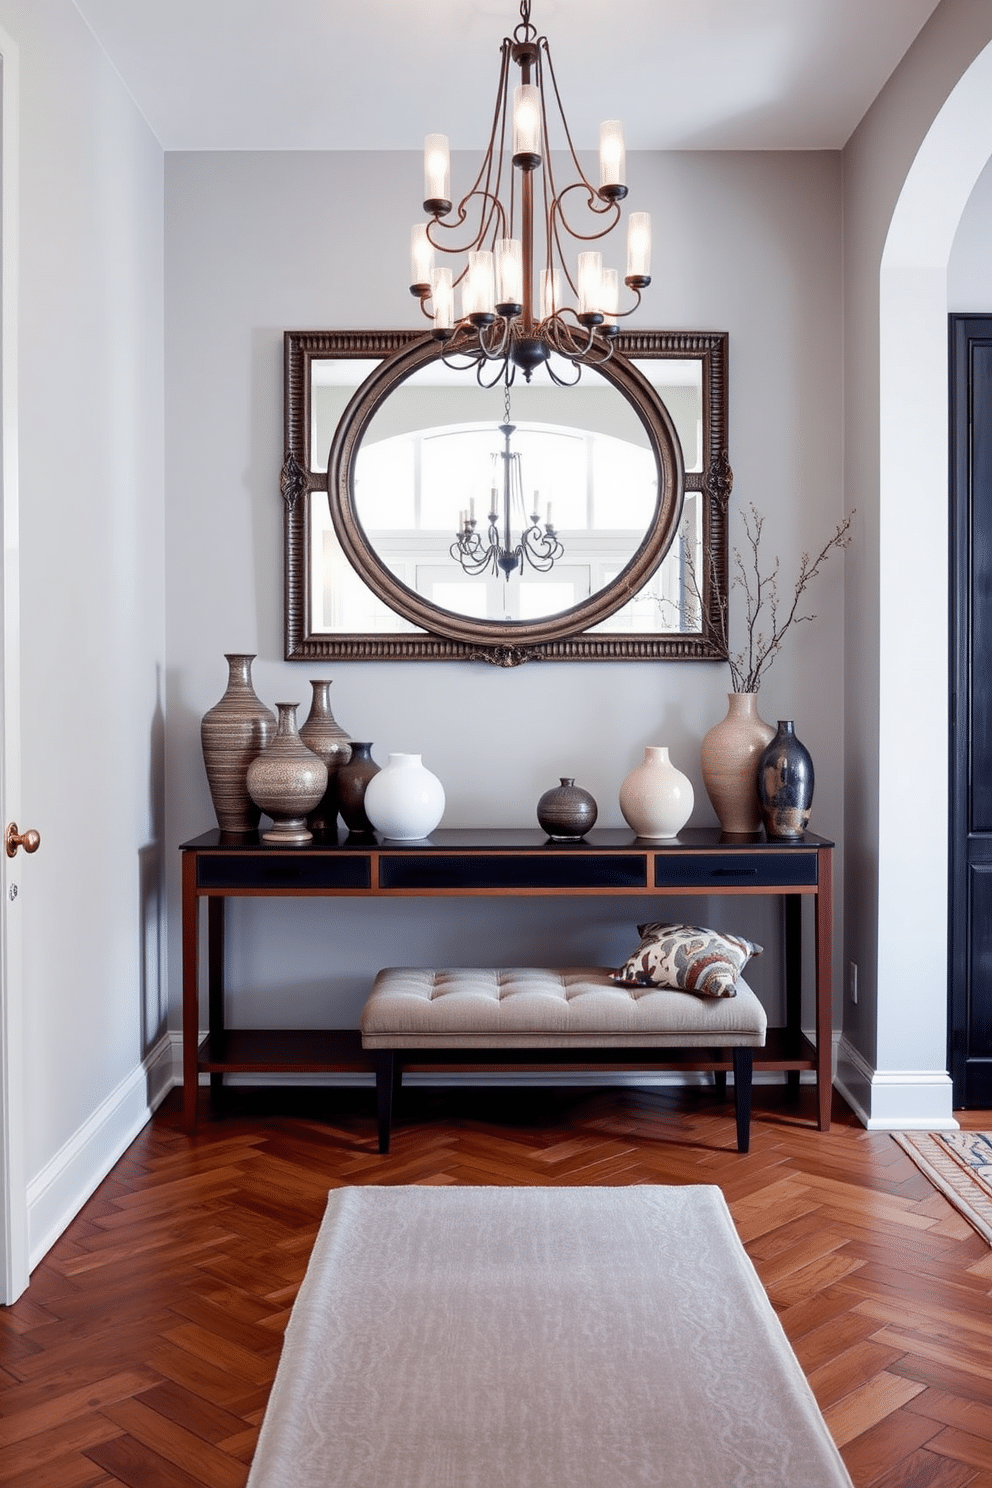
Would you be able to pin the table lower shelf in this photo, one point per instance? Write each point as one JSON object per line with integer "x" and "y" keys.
{"x": 339, "y": 1050}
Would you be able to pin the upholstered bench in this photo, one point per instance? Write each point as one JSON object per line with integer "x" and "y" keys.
{"x": 487, "y": 1013}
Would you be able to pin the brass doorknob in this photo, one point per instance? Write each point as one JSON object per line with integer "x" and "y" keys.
{"x": 29, "y": 840}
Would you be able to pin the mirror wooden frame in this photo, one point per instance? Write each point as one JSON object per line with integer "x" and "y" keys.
{"x": 446, "y": 637}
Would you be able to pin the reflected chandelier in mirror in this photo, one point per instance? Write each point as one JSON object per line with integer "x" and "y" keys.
{"x": 394, "y": 477}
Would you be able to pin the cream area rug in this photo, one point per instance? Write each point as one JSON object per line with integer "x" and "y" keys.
{"x": 959, "y": 1163}
{"x": 537, "y": 1338}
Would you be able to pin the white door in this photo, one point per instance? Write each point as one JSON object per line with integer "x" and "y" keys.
{"x": 13, "y": 1184}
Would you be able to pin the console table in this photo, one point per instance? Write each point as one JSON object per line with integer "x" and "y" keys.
{"x": 503, "y": 864}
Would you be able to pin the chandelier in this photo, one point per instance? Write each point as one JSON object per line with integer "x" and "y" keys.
{"x": 504, "y": 325}
{"x": 538, "y": 546}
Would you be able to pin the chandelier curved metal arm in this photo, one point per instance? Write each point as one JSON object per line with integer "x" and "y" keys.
{"x": 521, "y": 295}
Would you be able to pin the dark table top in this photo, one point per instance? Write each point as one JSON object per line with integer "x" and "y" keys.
{"x": 514, "y": 839}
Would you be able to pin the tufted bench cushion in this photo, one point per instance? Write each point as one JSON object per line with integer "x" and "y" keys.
{"x": 413, "y": 1007}
{"x": 580, "y": 1007}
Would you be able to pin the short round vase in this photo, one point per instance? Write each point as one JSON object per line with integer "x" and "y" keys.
{"x": 566, "y": 812}
{"x": 656, "y": 799}
{"x": 232, "y": 732}
{"x": 286, "y": 781}
{"x": 322, "y": 734}
{"x": 729, "y": 758}
{"x": 404, "y": 801}
{"x": 352, "y": 782}
{"x": 785, "y": 783}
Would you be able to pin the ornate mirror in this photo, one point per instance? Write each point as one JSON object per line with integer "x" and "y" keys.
{"x": 430, "y": 518}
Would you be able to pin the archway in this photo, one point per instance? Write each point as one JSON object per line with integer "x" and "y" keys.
{"x": 913, "y": 638}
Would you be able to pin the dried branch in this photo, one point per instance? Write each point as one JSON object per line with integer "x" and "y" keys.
{"x": 766, "y": 619}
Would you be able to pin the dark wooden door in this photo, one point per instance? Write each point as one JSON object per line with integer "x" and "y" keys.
{"x": 970, "y": 848}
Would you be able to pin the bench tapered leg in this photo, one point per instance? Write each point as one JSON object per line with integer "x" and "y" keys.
{"x": 743, "y": 1067}
{"x": 385, "y": 1079}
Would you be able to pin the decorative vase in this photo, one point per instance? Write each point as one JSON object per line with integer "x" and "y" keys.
{"x": 286, "y": 781}
{"x": 729, "y": 757}
{"x": 353, "y": 778}
{"x": 232, "y": 733}
{"x": 566, "y": 812}
{"x": 404, "y": 800}
{"x": 656, "y": 799}
{"x": 322, "y": 734}
{"x": 785, "y": 783}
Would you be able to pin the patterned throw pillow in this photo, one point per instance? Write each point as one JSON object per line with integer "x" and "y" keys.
{"x": 689, "y": 958}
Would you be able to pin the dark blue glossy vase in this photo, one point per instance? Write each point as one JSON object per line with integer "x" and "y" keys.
{"x": 785, "y": 783}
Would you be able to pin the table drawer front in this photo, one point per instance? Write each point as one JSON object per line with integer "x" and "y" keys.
{"x": 724, "y": 871}
{"x": 295, "y": 874}
{"x": 506, "y": 872}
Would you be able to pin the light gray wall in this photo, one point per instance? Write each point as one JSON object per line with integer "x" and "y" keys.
{"x": 91, "y": 581}
{"x": 259, "y": 243}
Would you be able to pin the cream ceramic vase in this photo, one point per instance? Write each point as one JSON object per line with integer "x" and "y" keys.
{"x": 729, "y": 757}
{"x": 656, "y": 799}
{"x": 404, "y": 800}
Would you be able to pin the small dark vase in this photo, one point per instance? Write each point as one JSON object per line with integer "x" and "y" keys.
{"x": 785, "y": 783}
{"x": 352, "y": 780}
{"x": 566, "y": 812}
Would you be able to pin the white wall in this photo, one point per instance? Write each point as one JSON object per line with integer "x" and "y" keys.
{"x": 91, "y": 509}
{"x": 908, "y": 172}
{"x": 259, "y": 243}
{"x": 969, "y": 273}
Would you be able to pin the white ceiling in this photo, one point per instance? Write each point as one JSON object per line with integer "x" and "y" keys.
{"x": 380, "y": 74}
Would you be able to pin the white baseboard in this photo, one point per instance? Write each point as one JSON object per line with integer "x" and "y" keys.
{"x": 894, "y": 1100}
{"x": 57, "y": 1193}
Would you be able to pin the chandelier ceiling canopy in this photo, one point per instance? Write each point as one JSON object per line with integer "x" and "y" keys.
{"x": 528, "y": 283}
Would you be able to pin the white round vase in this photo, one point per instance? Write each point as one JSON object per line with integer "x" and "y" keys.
{"x": 404, "y": 801}
{"x": 656, "y": 799}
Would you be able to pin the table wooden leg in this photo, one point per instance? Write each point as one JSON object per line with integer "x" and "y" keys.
{"x": 191, "y": 987}
{"x": 793, "y": 979}
{"x": 215, "y": 987}
{"x": 824, "y": 986}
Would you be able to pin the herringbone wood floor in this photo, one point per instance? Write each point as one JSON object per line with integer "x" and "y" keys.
{"x": 145, "y": 1347}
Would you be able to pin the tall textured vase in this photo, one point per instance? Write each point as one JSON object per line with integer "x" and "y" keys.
{"x": 785, "y": 783}
{"x": 232, "y": 733}
{"x": 656, "y": 799}
{"x": 404, "y": 800}
{"x": 322, "y": 734}
{"x": 729, "y": 757}
{"x": 287, "y": 780}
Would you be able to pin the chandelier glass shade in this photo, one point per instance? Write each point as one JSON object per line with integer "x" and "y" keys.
{"x": 517, "y": 242}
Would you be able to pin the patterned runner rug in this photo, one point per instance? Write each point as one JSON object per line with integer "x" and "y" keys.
{"x": 959, "y": 1163}
{"x": 526, "y": 1337}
